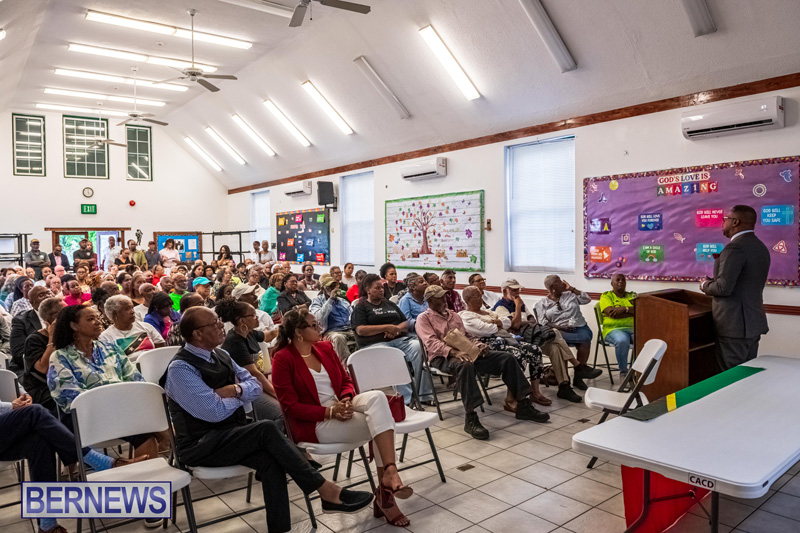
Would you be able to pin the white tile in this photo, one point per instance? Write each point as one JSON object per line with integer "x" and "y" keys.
{"x": 446, "y": 437}
{"x": 505, "y": 439}
{"x": 434, "y": 490}
{"x": 538, "y": 451}
{"x": 506, "y": 462}
{"x": 575, "y": 412}
{"x": 474, "y": 449}
{"x": 511, "y": 490}
{"x": 517, "y": 521}
{"x": 499, "y": 421}
{"x": 559, "y": 438}
{"x": 615, "y": 505}
{"x": 447, "y": 458}
{"x": 569, "y": 461}
{"x": 764, "y": 522}
{"x": 792, "y": 486}
{"x": 530, "y": 430}
{"x": 436, "y": 520}
{"x": 586, "y": 491}
{"x": 474, "y": 477}
{"x": 690, "y": 523}
{"x": 596, "y": 521}
{"x": 475, "y": 506}
{"x": 605, "y": 473}
{"x": 781, "y": 504}
{"x": 544, "y": 475}
{"x": 554, "y": 507}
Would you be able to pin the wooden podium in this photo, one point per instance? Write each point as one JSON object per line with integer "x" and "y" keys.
{"x": 683, "y": 320}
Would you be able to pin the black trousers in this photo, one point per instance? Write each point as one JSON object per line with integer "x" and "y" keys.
{"x": 492, "y": 362}
{"x": 262, "y": 447}
{"x": 33, "y": 433}
{"x": 733, "y": 351}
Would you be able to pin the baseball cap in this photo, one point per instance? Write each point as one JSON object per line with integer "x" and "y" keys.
{"x": 34, "y": 241}
{"x": 510, "y": 283}
{"x": 151, "y": 242}
{"x": 433, "y": 291}
{"x": 200, "y": 281}
{"x": 326, "y": 280}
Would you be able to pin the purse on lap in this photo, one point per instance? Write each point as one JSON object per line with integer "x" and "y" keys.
{"x": 459, "y": 341}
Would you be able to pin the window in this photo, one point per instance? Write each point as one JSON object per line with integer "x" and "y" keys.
{"x": 358, "y": 219}
{"x": 261, "y": 217}
{"x": 83, "y": 156}
{"x": 540, "y": 206}
{"x": 28, "y": 132}
{"x": 139, "y": 153}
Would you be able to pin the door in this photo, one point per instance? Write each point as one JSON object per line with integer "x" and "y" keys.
{"x": 70, "y": 241}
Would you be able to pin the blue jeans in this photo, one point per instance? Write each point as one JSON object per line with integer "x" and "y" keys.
{"x": 581, "y": 335}
{"x": 413, "y": 354}
{"x": 621, "y": 340}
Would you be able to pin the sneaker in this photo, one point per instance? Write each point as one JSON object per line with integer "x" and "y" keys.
{"x": 152, "y": 523}
{"x": 578, "y": 383}
{"x": 565, "y": 392}
{"x": 585, "y": 371}
{"x": 526, "y": 411}
{"x": 352, "y": 502}
{"x": 472, "y": 425}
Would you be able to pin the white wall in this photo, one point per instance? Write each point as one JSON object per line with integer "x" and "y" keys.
{"x": 649, "y": 142}
{"x": 183, "y": 195}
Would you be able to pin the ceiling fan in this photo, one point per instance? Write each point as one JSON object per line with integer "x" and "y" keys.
{"x": 101, "y": 141}
{"x": 136, "y": 115}
{"x": 196, "y": 74}
{"x": 300, "y": 11}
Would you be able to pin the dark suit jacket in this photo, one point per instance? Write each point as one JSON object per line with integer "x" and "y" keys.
{"x": 22, "y": 326}
{"x": 64, "y": 261}
{"x": 287, "y": 302}
{"x": 297, "y": 391}
{"x": 740, "y": 274}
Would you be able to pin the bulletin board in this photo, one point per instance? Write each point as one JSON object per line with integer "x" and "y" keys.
{"x": 666, "y": 225}
{"x": 436, "y": 232}
{"x": 189, "y": 244}
{"x": 304, "y": 236}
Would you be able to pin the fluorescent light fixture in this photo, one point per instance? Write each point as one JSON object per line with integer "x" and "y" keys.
{"x": 253, "y": 135}
{"x": 287, "y": 123}
{"x": 549, "y": 34}
{"x": 449, "y": 62}
{"x": 140, "y": 171}
{"x": 91, "y": 128}
{"x": 699, "y": 17}
{"x": 59, "y": 107}
{"x": 380, "y": 86}
{"x": 227, "y": 147}
{"x": 165, "y": 29}
{"x": 29, "y": 133}
{"x": 119, "y": 79}
{"x": 82, "y": 137}
{"x": 97, "y": 96}
{"x": 141, "y": 58}
{"x": 203, "y": 154}
{"x": 327, "y": 108}
{"x": 2, "y": 34}
{"x": 264, "y": 6}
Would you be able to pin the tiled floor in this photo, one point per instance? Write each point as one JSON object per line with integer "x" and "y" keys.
{"x": 525, "y": 479}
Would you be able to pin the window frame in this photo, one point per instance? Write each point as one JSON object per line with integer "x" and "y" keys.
{"x": 149, "y": 154}
{"x": 107, "y": 165}
{"x": 256, "y": 228}
{"x": 343, "y": 218}
{"x": 14, "y": 145}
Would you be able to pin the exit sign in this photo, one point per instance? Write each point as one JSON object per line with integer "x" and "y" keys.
{"x": 88, "y": 209}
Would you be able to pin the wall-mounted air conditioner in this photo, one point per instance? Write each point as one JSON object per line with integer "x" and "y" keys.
{"x": 423, "y": 170}
{"x": 298, "y": 188}
{"x": 714, "y": 120}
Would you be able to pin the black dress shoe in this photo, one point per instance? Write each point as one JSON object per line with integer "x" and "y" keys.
{"x": 587, "y": 372}
{"x": 526, "y": 411}
{"x": 472, "y": 425}
{"x": 352, "y": 502}
{"x": 578, "y": 383}
{"x": 565, "y": 392}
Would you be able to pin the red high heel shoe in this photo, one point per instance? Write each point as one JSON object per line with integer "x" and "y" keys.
{"x": 403, "y": 492}
{"x": 384, "y": 499}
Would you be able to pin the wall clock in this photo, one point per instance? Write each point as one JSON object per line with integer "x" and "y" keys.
{"x": 88, "y": 192}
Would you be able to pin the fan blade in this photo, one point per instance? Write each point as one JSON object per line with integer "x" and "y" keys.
{"x": 298, "y": 15}
{"x": 349, "y": 6}
{"x": 207, "y": 85}
{"x": 117, "y": 144}
{"x": 174, "y": 79}
{"x": 146, "y": 115}
{"x": 220, "y": 76}
{"x": 156, "y": 121}
{"x": 124, "y": 121}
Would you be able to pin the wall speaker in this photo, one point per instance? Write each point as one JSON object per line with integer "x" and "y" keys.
{"x": 325, "y": 194}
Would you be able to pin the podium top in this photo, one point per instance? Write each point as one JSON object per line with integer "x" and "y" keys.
{"x": 697, "y": 302}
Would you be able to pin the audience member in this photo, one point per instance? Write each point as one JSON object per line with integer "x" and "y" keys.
{"x": 165, "y": 284}
{"x": 82, "y": 270}
{"x": 269, "y": 301}
{"x": 161, "y": 315}
{"x": 353, "y": 293}
{"x": 432, "y": 278}
{"x": 224, "y": 276}
{"x": 489, "y": 298}
{"x": 391, "y": 286}
{"x": 24, "y": 324}
{"x": 224, "y": 254}
{"x": 247, "y": 293}
{"x": 336, "y": 413}
{"x": 169, "y": 256}
{"x": 255, "y": 255}
{"x": 76, "y": 295}
{"x": 137, "y": 256}
{"x": 308, "y": 281}
{"x": 292, "y": 297}
{"x": 561, "y": 309}
{"x": 99, "y": 297}
{"x": 148, "y": 277}
{"x": 413, "y": 303}
{"x": 46, "y": 271}
{"x": 336, "y": 273}
{"x": 179, "y": 288}
{"x": 616, "y": 306}
{"x": 53, "y": 282}
{"x": 202, "y": 287}
{"x": 348, "y": 280}
{"x": 146, "y": 292}
{"x": 124, "y": 259}
{"x": 333, "y": 312}
{"x": 266, "y": 256}
{"x": 151, "y": 255}
{"x": 196, "y": 272}
{"x": 36, "y": 259}
{"x": 379, "y": 322}
{"x": 125, "y": 283}
{"x": 110, "y": 253}
{"x": 206, "y": 391}
{"x": 223, "y": 291}
{"x": 435, "y": 328}
{"x": 38, "y": 349}
{"x": 254, "y": 280}
{"x": 452, "y": 298}
{"x": 128, "y": 335}
{"x": 20, "y": 303}
{"x": 58, "y": 258}
{"x": 190, "y": 300}
{"x": 158, "y": 273}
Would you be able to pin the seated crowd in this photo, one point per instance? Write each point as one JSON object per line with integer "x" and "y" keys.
{"x": 70, "y": 327}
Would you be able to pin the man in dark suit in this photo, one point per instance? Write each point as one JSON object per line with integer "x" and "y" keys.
{"x": 740, "y": 274}
{"x": 24, "y": 325}
{"x": 58, "y": 257}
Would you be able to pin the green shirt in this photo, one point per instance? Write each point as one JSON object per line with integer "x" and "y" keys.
{"x": 176, "y": 299}
{"x": 609, "y": 299}
{"x": 138, "y": 259}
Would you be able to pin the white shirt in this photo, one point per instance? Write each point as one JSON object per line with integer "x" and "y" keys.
{"x": 324, "y": 388}
{"x": 141, "y": 311}
{"x": 741, "y": 233}
{"x": 109, "y": 255}
{"x": 481, "y": 325}
{"x": 169, "y": 257}
{"x": 266, "y": 257}
{"x": 348, "y": 282}
{"x": 490, "y": 298}
{"x": 114, "y": 335}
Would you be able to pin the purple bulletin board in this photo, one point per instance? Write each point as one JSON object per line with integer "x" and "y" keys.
{"x": 666, "y": 225}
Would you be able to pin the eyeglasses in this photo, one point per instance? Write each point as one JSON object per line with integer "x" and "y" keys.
{"x": 729, "y": 218}
{"x": 217, "y": 323}
{"x": 314, "y": 325}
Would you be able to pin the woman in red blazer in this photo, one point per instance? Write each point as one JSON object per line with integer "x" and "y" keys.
{"x": 321, "y": 405}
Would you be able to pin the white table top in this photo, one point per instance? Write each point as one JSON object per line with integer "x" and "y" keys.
{"x": 742, "y": 438}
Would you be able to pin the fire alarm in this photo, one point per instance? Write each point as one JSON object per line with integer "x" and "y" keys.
{"x": 132, "y": 203}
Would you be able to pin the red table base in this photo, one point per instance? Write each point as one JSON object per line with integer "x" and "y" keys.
{"x": 661, "y": 514}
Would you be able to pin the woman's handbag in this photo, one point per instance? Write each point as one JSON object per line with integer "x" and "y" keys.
{"x": 397, "y": 406}
{"x": 459, "y": 341}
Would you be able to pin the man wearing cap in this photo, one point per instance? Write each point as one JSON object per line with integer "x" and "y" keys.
{"x": 332, "y": 311}
{"x": 137, "y": 256}
{"x": 58, "y": 258}
{"x": 202, "y": 287}
{"x": 83, "y": 253}
{"x": 36, "y": 259}
{"x": 151, "y": 255}
{"x": 433, "y": 327}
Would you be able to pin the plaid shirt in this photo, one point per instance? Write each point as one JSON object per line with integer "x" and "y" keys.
{"x": 71, "y": 373}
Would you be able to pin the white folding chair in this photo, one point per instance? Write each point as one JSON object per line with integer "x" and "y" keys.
{"x": 153, "y": 363}
{"x": 122, "y": 409}
{"x": 267, "y": 359}
{"x": 380, "y": 367}
{"x": 3, "y": 359}
{"x": 618, "y": 402}
{"x": 9, "y": 391}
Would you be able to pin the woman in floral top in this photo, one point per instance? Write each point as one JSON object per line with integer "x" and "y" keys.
{"x": 81, "y": 363}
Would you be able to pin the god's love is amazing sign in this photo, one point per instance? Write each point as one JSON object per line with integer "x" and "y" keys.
{"x": 97, "y": 500}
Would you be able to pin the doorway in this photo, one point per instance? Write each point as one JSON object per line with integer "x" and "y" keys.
{"x": 70, "y": 238}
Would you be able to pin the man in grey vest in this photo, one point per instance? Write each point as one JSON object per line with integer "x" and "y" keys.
{"x": 740, "y": 273}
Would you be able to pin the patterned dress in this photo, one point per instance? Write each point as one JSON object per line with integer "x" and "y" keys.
{"x": 527, "y": 354}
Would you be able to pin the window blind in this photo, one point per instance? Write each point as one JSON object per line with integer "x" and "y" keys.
{"x": 261, "y": 217}
{"x": 540, "y": 206}
{"x": 357, "y": 193}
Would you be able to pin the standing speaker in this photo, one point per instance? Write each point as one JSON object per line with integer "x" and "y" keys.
{"x": 325, "y": 193}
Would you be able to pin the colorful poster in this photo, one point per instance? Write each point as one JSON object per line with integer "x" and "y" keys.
{"x": 304, "y": 236}
{"x": 187, "y": 244}
{"x": 666, "y": 225}
{"x": 436, "y": 232}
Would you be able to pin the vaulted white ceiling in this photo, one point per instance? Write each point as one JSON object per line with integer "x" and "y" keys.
{"x": 628, "y": 52}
